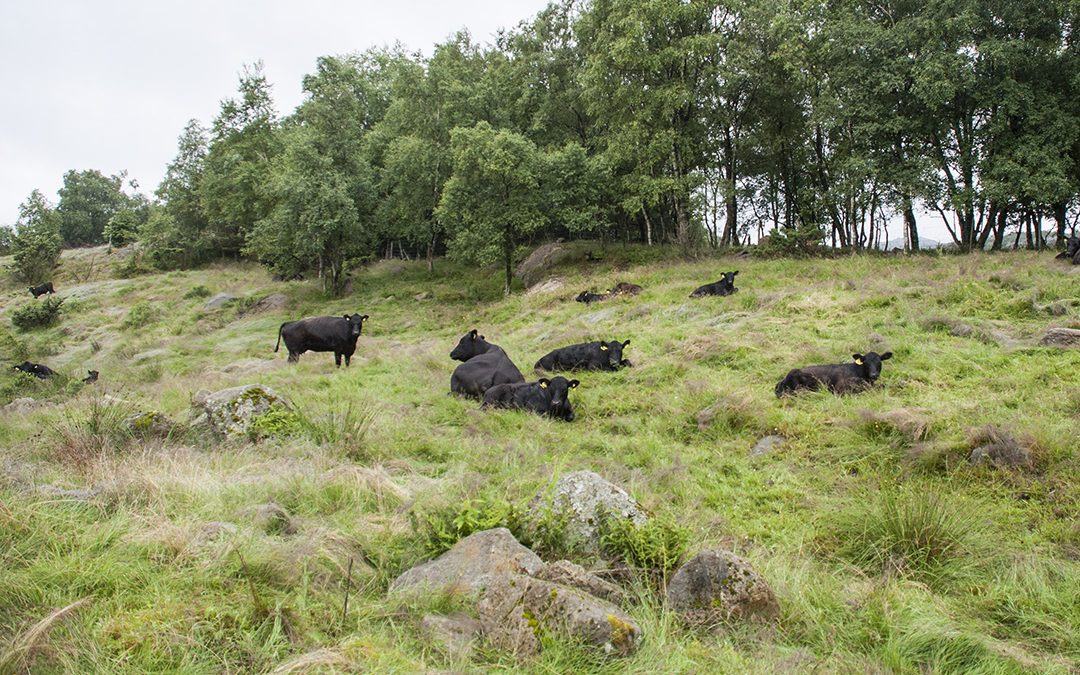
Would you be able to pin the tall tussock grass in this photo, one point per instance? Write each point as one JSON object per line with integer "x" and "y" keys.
{"x": 82, "y": 437}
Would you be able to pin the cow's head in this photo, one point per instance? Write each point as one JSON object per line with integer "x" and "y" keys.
{"x": 25, "y": 367}
{"x": 613, "y": 351}
{"x": 583, "y": 296}
{"x": 729, "y": 279}
{"x": 870, "y": 364}
{"x": 558, "y": 392}
{"x": 356, "y": 324}
{"x": 470, "y": 345}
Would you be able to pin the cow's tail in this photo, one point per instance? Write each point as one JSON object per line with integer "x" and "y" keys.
{"x": 280, "y": 328}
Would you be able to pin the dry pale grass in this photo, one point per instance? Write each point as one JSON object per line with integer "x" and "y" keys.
{"x": 326, "y": 660}
{"x": 910, "y": 425}
{"x": 30, "y": 644}
{"x": 1000, "y": 448}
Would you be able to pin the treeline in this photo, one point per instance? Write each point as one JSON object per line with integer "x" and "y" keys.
{"x": 697, "y": 123}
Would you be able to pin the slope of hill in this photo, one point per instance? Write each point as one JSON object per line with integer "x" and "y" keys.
{"x": 886, "y": 548}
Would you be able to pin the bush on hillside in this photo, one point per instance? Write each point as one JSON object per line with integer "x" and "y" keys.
{"x": 37, "y": 314}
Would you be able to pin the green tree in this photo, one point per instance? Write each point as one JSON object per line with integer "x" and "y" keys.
{"x": 178, "y": 234}
{"x": 493, "y": 198}
{"x": 36, "y": 245}
{"x": 237, "y": 167}
{"x": 88, "y": 199}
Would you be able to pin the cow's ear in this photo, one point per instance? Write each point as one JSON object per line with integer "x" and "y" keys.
{"x": 886, "y": 356}
{"x": 364, "y": 317}
{"x": 544, "y": 382}
{"x": 735, "y": 272}
{"x": 603, "y": 347}
{"x": 573, "y": 383}
{"x": 472, "y": 334}
{"x": 347, "y": 317}
{"x": 858, "y": 359}
{"x": 625, "y": 343}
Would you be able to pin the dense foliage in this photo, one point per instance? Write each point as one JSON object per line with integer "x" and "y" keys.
{"x": 720, "y": 122}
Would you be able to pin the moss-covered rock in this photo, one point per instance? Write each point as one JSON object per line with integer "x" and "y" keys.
{"x": 232, "y": 412}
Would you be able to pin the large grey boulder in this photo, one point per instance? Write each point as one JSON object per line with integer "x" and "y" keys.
{"x": 230, "y": 412}
{"x": 516, "y": 610}
{"x": 718, "y": 586}
{"x": 584, "y": 498}
{"x": 468, "y": 567}
{"x": 571, "y": 574}
{"x": 534, "y": 268}
{"x": 219, "y": 300}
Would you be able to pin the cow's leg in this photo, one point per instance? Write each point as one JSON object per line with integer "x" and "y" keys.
{"x": 348, "y": 358}
{"x": 337, "y": 359}
{"x": 294, "y": 357}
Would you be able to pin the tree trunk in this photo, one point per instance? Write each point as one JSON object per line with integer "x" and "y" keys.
{"x": 1060, "y": 217}
{"x": 910, "y": 225}
{"x": 731, "y": 205}
{"x": 431, "y": 255}
{"x": 648, "y": 226}
{"x": 508, "y": 254}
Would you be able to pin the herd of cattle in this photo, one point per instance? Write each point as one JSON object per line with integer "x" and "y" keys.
{"x": 487, "y": 373}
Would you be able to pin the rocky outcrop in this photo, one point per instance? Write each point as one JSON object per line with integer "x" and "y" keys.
{"x": 516, "y": 610}
{"x": 219, "y": 300}
{"x": 716, "y": 586}
{"x": 1061, "y": 337}
{"x": 149, "y": 424}
{"x": 533, "y": 269}
{"x": 230, "y": 412}
{"x": 571, "y": 574}
{"x": 584, "y": 498}
{"x": 468, "y": 567}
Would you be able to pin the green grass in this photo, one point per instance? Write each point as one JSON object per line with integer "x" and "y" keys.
{"x": 887, "y": 550}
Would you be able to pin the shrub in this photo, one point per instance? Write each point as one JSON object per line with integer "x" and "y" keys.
{"x": 343, "y": 427}
{"x": 140, "y": 314}
{"x": 442, "y": 528}
{"x": 655, "y": 547}
{"x": 198, "y": 292}
{"x": 37, "y": 314}
{"x": 276, "y": 422}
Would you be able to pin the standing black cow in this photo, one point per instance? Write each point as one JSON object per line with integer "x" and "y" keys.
{"x": 484, "y": 365}
{"x": 44, "y": 288}
{"x": 726, "y": 286}
{"x": 1072, "y": 250}
{"x": 585, "y": 356}
{"x": 545, "y": 397}
{"x": 841, "y": 378}
{"x": 322, "y": 334}
{"x": 36, "y": 369}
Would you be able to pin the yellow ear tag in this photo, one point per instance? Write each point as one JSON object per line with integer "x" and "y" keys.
{"x": 603, "y": 348}
{"x": 543, "y": 385}
{"x": 858, "y": 362}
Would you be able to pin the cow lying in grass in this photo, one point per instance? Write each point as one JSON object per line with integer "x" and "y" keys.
{"x": 726, "y": 286}
{"x": 544, "y": 397}
{"x": 841, "y": 378}
{"x": 621, "y": 288}
{"x": 585, "y": 356}
{"x": 1072, "y": 250}
{"x": 484, "y": 365}
{"x": 36, "y": 369}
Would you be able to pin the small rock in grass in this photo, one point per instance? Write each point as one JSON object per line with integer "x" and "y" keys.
{"x": 716, "y": 586}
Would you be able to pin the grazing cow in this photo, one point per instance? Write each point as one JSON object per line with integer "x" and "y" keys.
{"x": 1072, "y": 250}
{"x": 544, "y": 397}
{"x": 41, "y": 290}
{"x": 586, "y": 356}
{"x": 322, "y": 334}
{"x": 841, "y": 378}
{"x": 92, "y": 376}
{"x": 726, "y": 286}
{"x": 36, "y": 369}
{"x": 484, "y": 365}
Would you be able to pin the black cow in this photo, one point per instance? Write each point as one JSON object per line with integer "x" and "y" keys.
{"x": 36, "y": 369}
{"x": 484, "y": 365}
{"x": 322, "y": 334}
{"x": 545, "y": 397}
{"x": 44, "y": 288}
{"x": 91, "y": 376}
{"x": 726, "y": 286}
{"x": 589, "y": 296}
{"x": 1072, "y": 250}
{"x": 841, "y": 378}
{"x": 585, "y": 356}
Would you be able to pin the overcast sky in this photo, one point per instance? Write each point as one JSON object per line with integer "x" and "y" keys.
{"x": 110, "y": 84}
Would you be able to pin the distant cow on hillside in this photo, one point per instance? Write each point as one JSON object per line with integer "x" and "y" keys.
{"x": 1072, "y": 250}
{"x": 585, "y": 356}
{"x": 336, "y": 334}
{"x": 484, "y": 365}
{"x": 544, "y": 397}
{"x": 726, "y": 286}
{"x": 91, "y": 376}
{"x": 41, "y": 290}
{"x": 841, "y": 378}
{"x": 621, "y": 288}
{"x": 36, "y": 369}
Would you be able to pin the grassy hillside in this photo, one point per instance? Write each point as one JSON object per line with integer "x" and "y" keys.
{"x": 887, "y": 549}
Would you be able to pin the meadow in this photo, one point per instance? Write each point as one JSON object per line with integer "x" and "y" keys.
{"x": 888, "y": 550}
